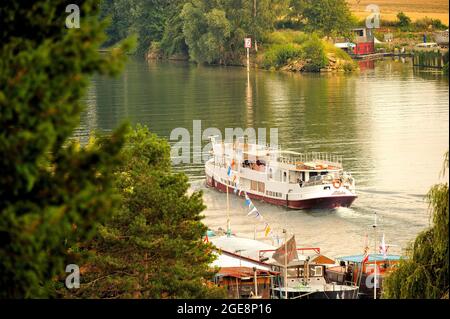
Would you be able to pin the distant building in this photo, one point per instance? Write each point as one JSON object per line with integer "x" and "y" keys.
{"x": 364, "y": 41}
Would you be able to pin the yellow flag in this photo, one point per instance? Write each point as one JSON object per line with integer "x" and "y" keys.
{"x": 267, "y": 230}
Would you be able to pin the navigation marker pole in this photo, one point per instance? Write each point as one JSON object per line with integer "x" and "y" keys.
{"x": 248, "y": 60}
{"x": 248, "y": 45}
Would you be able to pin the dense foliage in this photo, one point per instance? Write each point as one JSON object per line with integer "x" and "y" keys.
{"x": 302, "y": 51}
{"x": 145, "y": 18}
{"x": 425, "y": 273}
{"x": 214, "y": 30}
{"x": 52, "y": 193}
{"x": 152, "y": 247}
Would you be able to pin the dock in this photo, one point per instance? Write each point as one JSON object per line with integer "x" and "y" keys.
{"x": 430, "y": 58}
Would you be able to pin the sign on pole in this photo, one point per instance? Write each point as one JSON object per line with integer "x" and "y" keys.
{"x": 248, "y": 43}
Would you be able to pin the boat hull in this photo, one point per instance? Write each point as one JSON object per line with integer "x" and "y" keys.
{"x": 351, "y": 293}
{"x": 328, "y": 202}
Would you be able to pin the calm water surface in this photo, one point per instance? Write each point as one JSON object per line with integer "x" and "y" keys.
{"x": 390, "y": 123}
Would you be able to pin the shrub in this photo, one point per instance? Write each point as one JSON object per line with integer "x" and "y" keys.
{"x": 280, "y": 54}
{"x": 349, "y": 66}
{"x": 314, "y": 51}
{"x": 339, "y": 53}
{"x": 426, "y": 22}
{"x": 286, "y": 36}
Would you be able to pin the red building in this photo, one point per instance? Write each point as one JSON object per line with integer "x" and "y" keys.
{"x": 364, "y": 40}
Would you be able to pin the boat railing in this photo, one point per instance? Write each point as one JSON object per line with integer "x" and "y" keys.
{"x": 321, "y": 158}
{"x": 316, "y": 250}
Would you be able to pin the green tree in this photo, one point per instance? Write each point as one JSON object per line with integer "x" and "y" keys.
{"x": 146, "y": 19}
{"x": 425, "y": 273}
{"x": 404, "y": 22}
{"x": 52, "y": 192}
{"x": 329, "y": 17}
{"x": 152, "y": 247}
{"x": 173, "y": 41}
{"x": 120, "y": 20}
{"x": 215, "y": 29}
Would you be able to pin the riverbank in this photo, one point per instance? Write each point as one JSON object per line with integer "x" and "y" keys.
{"x": 286, "y": 50}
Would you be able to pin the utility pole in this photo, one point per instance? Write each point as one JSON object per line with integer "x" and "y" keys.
{"x": 285, "y": 265}
{"x": 256, "y": 281}
{"x": 228, "y": 213}
{"x": 375, "y": 258}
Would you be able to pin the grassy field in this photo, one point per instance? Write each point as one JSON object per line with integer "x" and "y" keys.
{"x": 415, "y": 9}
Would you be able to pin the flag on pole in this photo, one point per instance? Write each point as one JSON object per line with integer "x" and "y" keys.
{"x": 280, "y": 253}
{"x": 248, "y": 202}
{"x": 383, "y": 248}
{"x": 267, "y": 230}
{"x": 254, "y": 210}
{"x": 366, "y": 255}
{"x": 258, "y": 216}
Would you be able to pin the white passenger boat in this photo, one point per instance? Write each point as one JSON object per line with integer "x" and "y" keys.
{"x": 285, "y": 178}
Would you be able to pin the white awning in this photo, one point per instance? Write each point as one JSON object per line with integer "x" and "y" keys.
{"x": 344, "y": 45}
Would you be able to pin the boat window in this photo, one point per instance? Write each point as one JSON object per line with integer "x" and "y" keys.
{"x": 284, "y": 176}
{"x": 318, "y": 271}
{"x": 292, "y": 273}
{"x": 311, "y": 174}
{"x": 294, "y": 177}
{"x": 261, "y": 187}
{"x": 270, "y": 173}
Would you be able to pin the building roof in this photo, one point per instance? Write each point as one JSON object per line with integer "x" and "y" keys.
{"x": 322, "y": 260}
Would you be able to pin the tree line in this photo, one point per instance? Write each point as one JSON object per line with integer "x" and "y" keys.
{"x": 212, "y": 31}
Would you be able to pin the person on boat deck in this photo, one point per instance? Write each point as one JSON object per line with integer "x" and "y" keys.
{"x": 349, "y": 273}
{"x": 260, "y": 166}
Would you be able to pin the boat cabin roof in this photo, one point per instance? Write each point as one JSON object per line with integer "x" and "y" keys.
{"x": 241, "y": 246}
{"x": 372, "y": 258}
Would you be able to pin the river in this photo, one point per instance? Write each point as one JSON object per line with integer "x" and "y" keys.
{"x": 389, "y": 121}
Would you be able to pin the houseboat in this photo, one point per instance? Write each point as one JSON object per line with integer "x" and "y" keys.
{"x": 247, "y": 269}
{"x": 284, "y": 178}
{"x": 357, "y": 271}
